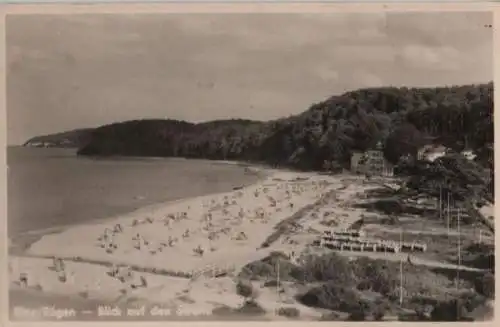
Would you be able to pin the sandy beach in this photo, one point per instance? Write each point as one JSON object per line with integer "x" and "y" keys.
{"x": 175, "y": 248}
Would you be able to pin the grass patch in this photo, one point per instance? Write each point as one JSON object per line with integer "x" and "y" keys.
{"x": 266, "y": 269}
{"x": 244, "y": 288}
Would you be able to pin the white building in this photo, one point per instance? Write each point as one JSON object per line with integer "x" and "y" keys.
{"x": 469, "y": 155}
{"x": 431, "y": 152}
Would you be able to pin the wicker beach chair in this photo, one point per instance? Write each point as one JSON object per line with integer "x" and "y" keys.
{"x": 23, "y": 279}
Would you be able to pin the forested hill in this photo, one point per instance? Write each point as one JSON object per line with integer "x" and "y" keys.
{"x": 70, "y": 139}
{"x": 402, "y": 119}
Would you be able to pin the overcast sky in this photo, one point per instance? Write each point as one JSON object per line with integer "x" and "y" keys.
{"x": 72, "y": 71}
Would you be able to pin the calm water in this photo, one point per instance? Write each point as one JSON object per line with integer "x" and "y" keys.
{"x": 54, "y": 187}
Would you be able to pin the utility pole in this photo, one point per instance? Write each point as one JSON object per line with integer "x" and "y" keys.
{"x": 459, "y": 261}
{"x": 278, "y": 280}
{"x": 448, "y": 213}
{"x": 401, "y": 267}
{"x": 440, "y": 202}
{"x": 458, "y": 247}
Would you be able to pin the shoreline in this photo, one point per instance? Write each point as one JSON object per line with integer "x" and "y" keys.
{"x": 20, "y": 243}
{"x": 230, "y": 251}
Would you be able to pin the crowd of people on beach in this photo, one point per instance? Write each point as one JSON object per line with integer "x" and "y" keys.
{"x": 220, "y": 217}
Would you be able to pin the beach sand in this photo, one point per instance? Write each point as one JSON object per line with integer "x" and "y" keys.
{"x": 176, "y": 249}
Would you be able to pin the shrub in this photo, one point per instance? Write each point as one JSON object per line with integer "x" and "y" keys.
{"x": 357, "y": 315}
{"x": 272, "y": 283}
{"x": 251, "y": 307}
{"x": 330, "y": 316}
{"x": 375, "y": 275}
{"x": 328, "y": 267}
{"x": 452, "y": 310}
{"x": 289, "y": 312}
{"x": 378, "y": 309}
{"x": 485, "y": 285}
{"x": 343, "y": 279}
{"x": 482, "y": 261}
{"x": 244, "y": 288}
{"x": 222, "y": 311}
{"x": 267, "y": 268}
{"x": 471, "y": 300}
{"x": 255, "y": 270}
{"x": 389, "y": 206}
{"x": 332, "y": 296}
{"x": 84, "y": 294}
{"x": 276, "y": 255}
{"x": 378, "y": 315}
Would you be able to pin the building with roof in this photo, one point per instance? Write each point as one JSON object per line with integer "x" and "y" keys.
{"x": 431, "y": 152}
{"x": 371, "y": 162}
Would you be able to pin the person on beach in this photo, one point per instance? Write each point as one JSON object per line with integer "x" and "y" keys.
{"x": 198, "y": 250}
{"x": 409, "y": 260}
{"x": 137, "y": 243}
{"x": 107, "y": 235}
{"x": 23, "y": 279}
{"x": 55, "y": 264}
{"x": 122, "y": 273}
{"x": 62, "y": 276}
{"x": 62, "y": 265}
{"x": 144, "y": 282}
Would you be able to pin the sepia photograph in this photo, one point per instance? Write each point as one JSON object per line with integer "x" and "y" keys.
{"x": 334, "y": 166}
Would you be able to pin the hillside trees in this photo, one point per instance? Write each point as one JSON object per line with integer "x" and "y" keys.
{"x": 330, "y": 131}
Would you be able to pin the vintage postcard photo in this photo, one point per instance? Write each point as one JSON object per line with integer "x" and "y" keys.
{"x": 250, "y": 166}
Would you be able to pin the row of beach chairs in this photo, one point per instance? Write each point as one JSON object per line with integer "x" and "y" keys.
{"x": 405, "y": 246}
{"x": 351, "y": 240}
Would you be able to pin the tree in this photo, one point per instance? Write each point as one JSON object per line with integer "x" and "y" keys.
{"x": 485, "y": 285}
{"x": 453, "y": 310}
{"x": 404, "y": 140}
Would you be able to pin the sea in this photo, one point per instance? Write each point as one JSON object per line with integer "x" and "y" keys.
{"x": 50, "y": 187}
